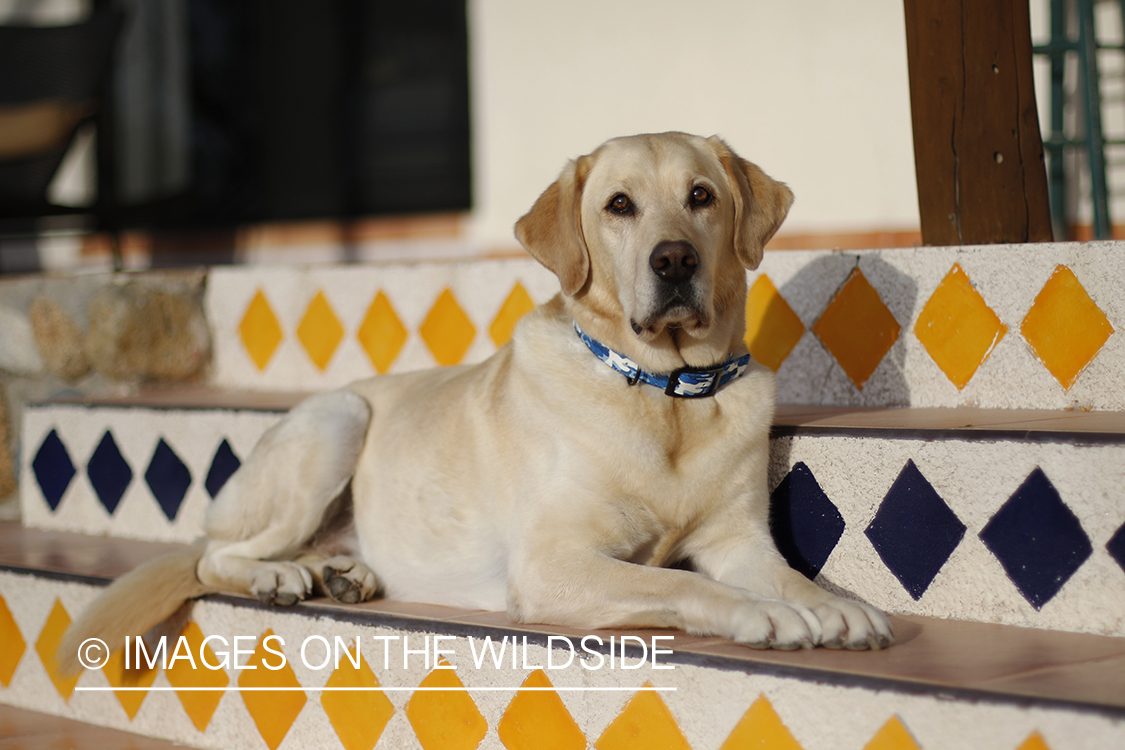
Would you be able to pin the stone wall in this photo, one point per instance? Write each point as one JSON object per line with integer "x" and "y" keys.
{"x": 94, "y": 335}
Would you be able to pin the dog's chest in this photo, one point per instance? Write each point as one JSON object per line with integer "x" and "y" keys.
{"x": 682, "y": 440}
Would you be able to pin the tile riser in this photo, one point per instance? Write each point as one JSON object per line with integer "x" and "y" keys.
{"x": 818, "y": 712}
{"x": 925, "y": 300}
{"x": 845, "y": 482}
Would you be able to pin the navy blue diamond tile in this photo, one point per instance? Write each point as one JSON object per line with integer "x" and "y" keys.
{"x": 806, "y": 525}
{"x": 1037, "y": 539}
{"x": 109, "y": 473}
{"x": 53, "y": 469}
{"x": 168, "y": 478}
{"x": 914, "y": 531}
{"x": 223, "y": 465}
{"x": 1116, "y": 547}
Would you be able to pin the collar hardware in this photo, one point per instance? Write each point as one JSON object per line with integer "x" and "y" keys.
{"x": 704, "y": 381}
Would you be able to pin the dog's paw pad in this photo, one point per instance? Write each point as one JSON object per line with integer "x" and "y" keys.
{"x": 349, "y": 581}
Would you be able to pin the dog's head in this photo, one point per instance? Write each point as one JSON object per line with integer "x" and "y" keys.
{"x": 650, "y": 237}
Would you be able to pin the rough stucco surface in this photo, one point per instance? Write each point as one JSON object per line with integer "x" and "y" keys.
{"x": 706, "y": 704}
{"x": 480, "y": 288}
{"x": 1008, "y": 278}
{"x": 974, "y": 479}
{"x": 193, "y": 435}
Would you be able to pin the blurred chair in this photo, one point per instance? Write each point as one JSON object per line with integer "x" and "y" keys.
{"x": 52, "y": 79}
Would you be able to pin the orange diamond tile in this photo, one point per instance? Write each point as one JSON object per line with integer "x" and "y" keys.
{"x": 957, "y": 328}
{"x": 1034, "y": 742}
{"x": 115, "y": 672}
{"x": 538, "y": 720}
{"x": 760, "y": 727}
{"x": 12, "y": 644}
{"x": 199, "y": 705}
{"x": 273, "y": 711}
{"x": 644, "y": 722}
{"x": 447, "y": 330}
{"x": 358, "y": 717}
{"x": 260, "y": 331}
{"x": 49, "y": 638}
{"x": 1064, "y": 327}
{"x": 857, "y": 328}
{"x": 320, "y": 331}
{"x": 445, "y": 720}
{"x": 515, "y": 307}
{"x": 381, "y": 334}
{"x": 772, "y": 328}
{"x": 893, "y": 736}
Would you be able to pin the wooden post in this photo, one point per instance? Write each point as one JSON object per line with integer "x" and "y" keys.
{"x": 978, "y": 152}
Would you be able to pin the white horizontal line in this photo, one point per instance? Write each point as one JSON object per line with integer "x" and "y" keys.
{"x": 374, "y": 689}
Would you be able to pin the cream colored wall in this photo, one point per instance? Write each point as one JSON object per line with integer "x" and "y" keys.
{"x": 815, "y": 91}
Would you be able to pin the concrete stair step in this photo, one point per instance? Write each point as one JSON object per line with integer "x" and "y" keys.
{"x": 944, "y": 684}
{"x": 1004, "y": 516}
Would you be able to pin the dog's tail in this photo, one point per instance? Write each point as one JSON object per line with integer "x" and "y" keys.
{"x": 135, "y": 602}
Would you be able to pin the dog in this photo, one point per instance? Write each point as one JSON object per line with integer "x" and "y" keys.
{"x": 604, "y": 469}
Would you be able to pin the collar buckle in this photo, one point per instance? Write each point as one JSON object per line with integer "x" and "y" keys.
{"x": 699, "y": 383}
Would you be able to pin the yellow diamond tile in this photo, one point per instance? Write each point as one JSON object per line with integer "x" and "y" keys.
{"x": 320, "y": 331}
{"x": 381, "y": 334}
{"x": 273, "y": 711}
{"x": 538, "y": 720}
{"x": 1064, "y": 327}
{"x": 447, "y": 330}
{"x": 259, "y": 330}
{"x": 118, "y": 677}
{"x": 515, "y": 307}
{"x": 49, "y": 638}
{"x": 199, "y": 705}
{"x": 645, "y": 722}
{"x": 1034, "y": 742}
{"x": 957, "y": 328}
{"x": 445, "y": 720}
{"x": 12, "y": 644}
{"x": 760, "y": 728}
{"x": 857, "y": 328}
{"x": 893, "y": 736}
{"x": 358, "y": 717}
{"x": 772, "y": 328}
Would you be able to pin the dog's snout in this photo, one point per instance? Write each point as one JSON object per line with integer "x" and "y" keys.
{"x": 674, "y": 261}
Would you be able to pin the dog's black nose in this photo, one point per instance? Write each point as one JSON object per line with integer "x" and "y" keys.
{"x": 674, "y": 261}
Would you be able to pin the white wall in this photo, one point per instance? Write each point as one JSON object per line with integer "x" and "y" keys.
{"x": 814, "y": 91}
{"x": 43, "y": 12}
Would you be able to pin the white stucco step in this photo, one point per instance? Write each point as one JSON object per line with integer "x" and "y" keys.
{"x": 1037, "y": 326}
{"x": 944, "y": 684}
{"x": 1013, "y": 517}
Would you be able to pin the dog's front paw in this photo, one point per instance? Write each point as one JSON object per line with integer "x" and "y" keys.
{"x": 853, "y": 625}
{"x": 774, "y": 624}
{"x": 350, "y": 581}
{"x": 281, "y": 583}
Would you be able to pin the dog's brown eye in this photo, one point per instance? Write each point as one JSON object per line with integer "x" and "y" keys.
{"x": 700, "y": 196}
{"x": 620, "y": 204}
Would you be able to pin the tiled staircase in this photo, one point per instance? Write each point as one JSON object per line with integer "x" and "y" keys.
{"x": 987, "y": 514}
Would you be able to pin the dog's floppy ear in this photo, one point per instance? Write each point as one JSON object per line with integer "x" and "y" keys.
{"x": 760, "y": 205}
{"x": 552, "y": 230}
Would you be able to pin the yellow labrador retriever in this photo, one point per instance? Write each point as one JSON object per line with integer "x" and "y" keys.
{"x": 622, "y": 431}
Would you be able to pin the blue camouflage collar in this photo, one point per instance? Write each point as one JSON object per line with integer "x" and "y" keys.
{"x": 686, "y": 382}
